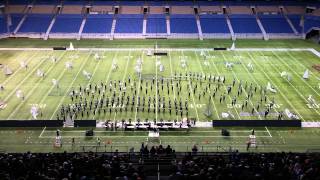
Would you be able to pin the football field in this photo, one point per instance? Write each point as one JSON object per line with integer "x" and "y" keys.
{"x": 116, "y": 83}
{"x": 198, "y": 79}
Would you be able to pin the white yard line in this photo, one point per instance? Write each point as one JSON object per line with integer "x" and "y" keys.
{"x": 123, "y": 78}
{"x": 283, "y": 141}
{"x": 136, "y": 112}
{"x": 253, "y": 106}
{"x": 61, "y": 100}
{"x": 276, "y": 68}
{"x": 190, "y": 90}
{"x": 24, "y": 79}
{"x": 156, "y": 90}
{"x": 316, "y": 91}
{"x": 250, "y": 74}
{"x": 302, "y": 65}
{"x": 40, "y": 136}
{"x": 107, "y": 79}
{"x": 268, "y": 131}
{"x": 224, "y": 87}
{"x": 16, "y": 72}
{"x": 267, "y": 76}
{"x": 171, "y": 72}
{"x": 94, "y": 72}
{"x": 30, "y": 92}
{"x": 52, "y": 87}
{"x": 214, "y": 105}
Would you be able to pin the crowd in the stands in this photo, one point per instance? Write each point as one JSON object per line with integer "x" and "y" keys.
{"x": 258, "y": 166}
{"x": 96, "y": 166}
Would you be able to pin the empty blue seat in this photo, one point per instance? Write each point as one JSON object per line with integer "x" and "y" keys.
{"x": 183, "y": 23}
{"x": 36, "y": 23}
{"x": 129, "y": 23}
{"x": 98, "y": 23}
{"x": 3, "y": 25}
{"x": 244, "y": 23}
{"x": 214, "y": 24}
{"x": 311, "y": 22}
{"x": 15, "y": 19}
{"x": 67, "y": 23}
{"x": 275, "y": 24}
{"x": 295, "y": 20}
{"x": 156, "y": 23}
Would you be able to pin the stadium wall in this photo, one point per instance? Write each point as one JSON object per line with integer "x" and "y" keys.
{"x": 31, "y": 123}
{"x": 45, "y": 123}
{"x": 257, "y": 123}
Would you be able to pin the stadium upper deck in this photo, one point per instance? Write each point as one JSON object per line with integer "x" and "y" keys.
{"x": 158, "y": 19}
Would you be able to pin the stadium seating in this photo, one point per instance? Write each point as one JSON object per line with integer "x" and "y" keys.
{"x": 3, "y": 25}
{"x": 156, "y": 23}
{"x": 214, "y": 24}
{"x": 129, "y": 23}
{"x": 36, "y": 23}
{"x": 275, "y": 24}
{"x": 295, "y": 20}
{"x": 15, "y": 19}
{"x": 311, "y": 22}
{"x": 243, "y": 23}
{"x": 98, "y": 23}
{"x": 183, "y": 23}
{"x": 67, "y": 23}
{"x": 164, "y": 162}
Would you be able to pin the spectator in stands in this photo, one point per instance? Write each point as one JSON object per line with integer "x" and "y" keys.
{"x": 153, "y": 151}
{"x": 168, "y": 150}
{"x": 194, "y": 149}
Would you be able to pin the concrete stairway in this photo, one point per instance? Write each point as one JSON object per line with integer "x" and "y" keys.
{"x": 83, "y": 23}
{"x": 144, "y": 28}
{"x": 230, "y": 27}
{"x": 199, "y": 27}
{"x": 57, "y": 11}
{"x": 265, "y": 35}
{"x": 28, "y": 9}
{"x": 291, "y": 25}
{"x": 168, "y": 25}
{"x": 113, "y": 27}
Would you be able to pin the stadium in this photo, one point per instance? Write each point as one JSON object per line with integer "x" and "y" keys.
{"x": 159, "y": 89}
